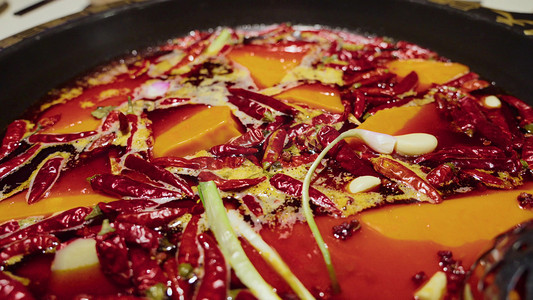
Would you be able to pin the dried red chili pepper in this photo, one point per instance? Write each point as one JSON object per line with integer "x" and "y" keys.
{"x": 230, "y": 184}
{"x": 253, "y": 205}
{"x": 343, "y": 154}
{"x": 125, "y": 206}
{"x": 527, "y": 151}
{"x": 488, "y": 179}
{"x": 440, "y": 175}
{"x": 102, "y": 142}
{"x": 14, "y": 134}
{"x": 146, "y": 271}
{"x": 152, "y": 218}
{"x": 113, "y": 117}
{"x": 279, "y": 122}
{"x": 251, "y": 138}
{"x": 298, "y": 130}
{"x": 326, "y": 118}
{"x": 121, "y": 186}
{"x": 229, "y": 150}
{"x": 9, "y": 227}
{"x": 200, "y": 163}
{"x": 157, "y": 173}
{"x": 274, "y": 145}
{"x": 293, "y": 187}
{"x": 113, "y": 256}
{"x": 524, "y": 110}
{"x": 386, "y": 93}
{"x": 265, "y": 100}
{"x": 59, "y": 138}
{"x": 397, "y": 171}
{"x": 251, "y": 108}
{"x": 138, "y": 234}
{"x": 458, "y": 152}
{"x": 370, "y": 77}
{"x": 13, "y": 164}
{"x": 215, "y": 281}
{"x": 408, "y": 83}
{"x": 29, "y": 245}
{"x": 45, "y": 178}
{"x": 392, "y": 104}
{"x": 460, "y": 81}
{"x": 12, "y": 289}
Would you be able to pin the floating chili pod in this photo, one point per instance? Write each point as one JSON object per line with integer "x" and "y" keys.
{"x": 293, "y": 187}
{"x": 251, "y": 108}
{"x": 146, "y": 272}
{"x": 488, "y": 179}
{"x": 214, "y": 284}
{"x": 265, "y": 100}
{"x": 113, "y": 256}
{"x": 30, "y": 245}
{"x": 230, "y": 184}
{"x": 253, "y": 205}
{"x": 45, "y": 178}
{"x": 113, "y": 117}
{"x": 274, "y": 146}
{"x": 13, "y": 137}
{"x": 440, "y": 175}
{"x": 125, "y": 206}
{"x": 397, "y": 171}
{"x": 139, "y": 235}
{"x": 408, "y": 83}
{"x": 124, "y": 187}
{"x": 152, "y": 218}
{"x": 59, "y": 138}
{"x": 19, "y": 160}
{"x": 251, "y": 138}
{"x": 200, "y": 163}
{"x": 9, "y": 227}
{"x": 228, "y": 150}
{"x": 157, "y": 173}
{"x": 524, "y": 110}
{"x": 12, "y": 289}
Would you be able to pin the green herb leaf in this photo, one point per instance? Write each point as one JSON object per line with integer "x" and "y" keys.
{"x": 102, "y": 111}
{"x": 106, "y": 228}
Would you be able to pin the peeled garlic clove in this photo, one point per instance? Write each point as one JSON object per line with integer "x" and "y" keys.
{"x": 80, "y": 253}
{"x": 363, "y": 184}
{"x": 415, "y": 144}
{"x": 492, "y": 102}
{"x": 434, "y": 289}
{"x": 379, "y": 142}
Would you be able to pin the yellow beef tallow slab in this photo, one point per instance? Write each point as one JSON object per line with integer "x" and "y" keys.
{"x": 315, "y": 96}
{"x": 209, "y": 127}
{"x": 428, "y": 71}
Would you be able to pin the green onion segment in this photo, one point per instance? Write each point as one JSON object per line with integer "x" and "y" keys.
{"x": 230, "y": 246}
{"x": 269, "y": 254}
{"x": 308, "y": 213}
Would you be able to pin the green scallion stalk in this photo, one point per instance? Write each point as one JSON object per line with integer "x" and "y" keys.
{"x": 230, "y": 246}
{"x": 269, "y": 254}
{"x": 308, "y": 213}
{"x": 218, "y": 43}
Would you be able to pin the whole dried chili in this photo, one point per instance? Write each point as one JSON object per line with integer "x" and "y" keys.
{"x": 139, "y": 235}
{"x": 9, "y": 227}
{"x": 460, "y": 81}
{"x": 152, "y": 218}
{"x": 200, "y": 163}
{"x": 293, "y": 187}
{"x": 251, "y": 138}
{"x": 45, "y": 178}
{"x": 14, "y": 134}
{"x": 230, "y": 184}
{"x": 370, "y": 77}
{"x": 113, "y": 117}
{"x": 397, "y": 171}
{"x": 488, "y": 179}
{"x": 440, "y": 175}
{"x": 229, "y": 150}
{"x": 298, "y": 130}
{"x": 146, "y": 272}
{"x": 12, "y": 289}
{"x": 527, "y": 151}
{"x": 113, "y": 257}
{"x": 251, "y": 108}
{"x": 343, "y": 154}
{"x": 157, "y": 173}
{"x": 112, "y": 209}
{"x": 102, "y": 142}
{"x": 214, "y": 284}
{"x": 524, "y": 110}
{"x": 14, "y": 163}
{"x": 253, "y": 205}
{"x": 273, "y": 148}
{"x": 458, "y": 152}
{"x": 188, "y": 255}
{"x": 30, "y": 245}
{"x": 408, "y": 83}
{"x": 59, "y": 138}
{"x": 265, "y": 100}
{"x": 124, "y": 187}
